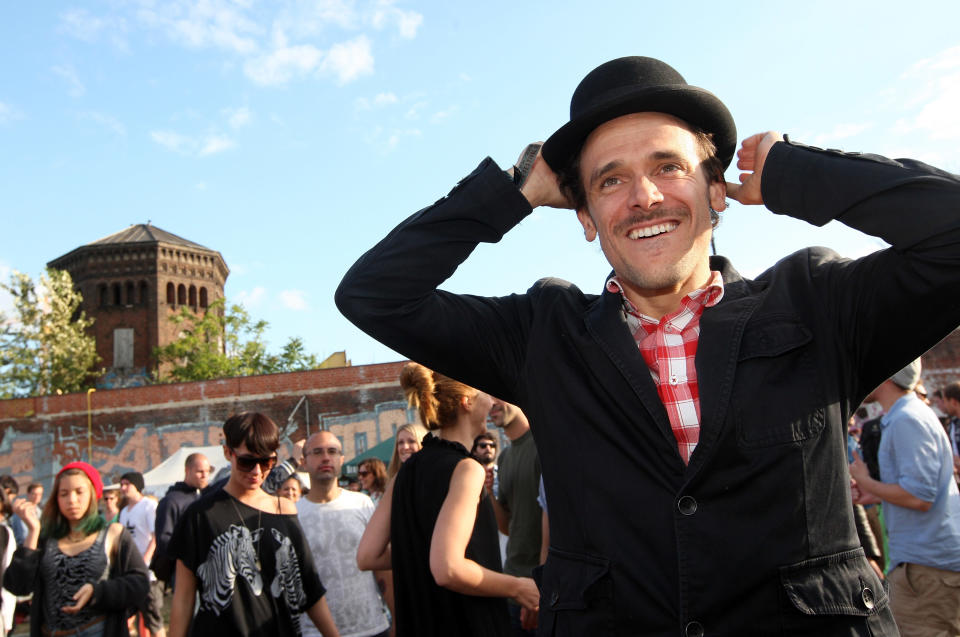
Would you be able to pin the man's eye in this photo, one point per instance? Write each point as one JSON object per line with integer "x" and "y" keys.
{"x": 609, "y": 181}
{"x": 670, "y": 168}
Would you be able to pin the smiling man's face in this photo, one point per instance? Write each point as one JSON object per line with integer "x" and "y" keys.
{"x": 649, "y": 202}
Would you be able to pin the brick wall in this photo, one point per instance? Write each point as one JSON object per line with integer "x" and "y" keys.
{"x": 137, "y": 428}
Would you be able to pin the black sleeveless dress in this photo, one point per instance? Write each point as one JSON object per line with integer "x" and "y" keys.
{"x": 424, "y": 609}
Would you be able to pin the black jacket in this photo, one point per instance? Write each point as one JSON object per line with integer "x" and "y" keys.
{"x": 117, "y": 597}
{"x": 756, "y": 535}
{"x": 171, "y": 506}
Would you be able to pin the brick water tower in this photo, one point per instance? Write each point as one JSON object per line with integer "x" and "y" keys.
{"x": 132, "y": 282}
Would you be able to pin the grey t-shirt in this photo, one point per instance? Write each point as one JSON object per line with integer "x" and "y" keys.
{"x": 519, "y": 474}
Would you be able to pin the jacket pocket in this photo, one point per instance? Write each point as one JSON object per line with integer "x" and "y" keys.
{"x": 777, "y": 395}
{"x": 576, "y": 595}
{"x": 838, "y": 584}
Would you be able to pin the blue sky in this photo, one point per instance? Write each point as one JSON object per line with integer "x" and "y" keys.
{"x": 292, "y": 135}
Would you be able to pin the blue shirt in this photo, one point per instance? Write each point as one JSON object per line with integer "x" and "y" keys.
{"x": 915, "y": 453}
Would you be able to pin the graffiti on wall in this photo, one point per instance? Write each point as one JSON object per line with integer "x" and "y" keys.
{"x": 38, "y": 454}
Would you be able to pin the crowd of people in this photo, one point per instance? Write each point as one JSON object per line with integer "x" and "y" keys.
{"x": 754, "y": 503}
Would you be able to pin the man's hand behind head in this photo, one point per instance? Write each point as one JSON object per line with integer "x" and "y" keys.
{"x": 541, "y": 187}
{"x": 750, "y": 159}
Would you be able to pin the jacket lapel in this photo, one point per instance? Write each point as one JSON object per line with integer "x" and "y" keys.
{"x": 721, "y": 330}
{"x": 607, "y": 325}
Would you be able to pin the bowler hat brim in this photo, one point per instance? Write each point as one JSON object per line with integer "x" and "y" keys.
{"x": 696, "y": 106}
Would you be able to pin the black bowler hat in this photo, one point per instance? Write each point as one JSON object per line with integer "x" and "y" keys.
{"x": 635, "y": 85}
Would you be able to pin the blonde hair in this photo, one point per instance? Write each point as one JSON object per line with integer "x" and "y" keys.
{"x": 418, "y": 432}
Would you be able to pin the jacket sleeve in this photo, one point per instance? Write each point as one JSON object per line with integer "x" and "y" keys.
{"x": 163, "y": 528}
{"x": 21, "y": 576}
{"x": 128, "y": 581}
{"x": 391, "y": 291}
{"x": 907, "y": 287}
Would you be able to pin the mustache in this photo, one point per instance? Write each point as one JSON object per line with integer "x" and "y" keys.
{"x": 636, "y": 219}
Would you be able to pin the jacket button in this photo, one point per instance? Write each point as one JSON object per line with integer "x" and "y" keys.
{"x": 694, "y": 629}
{"x": 554, "y": 598}
{"x": 867, "y": 596}
{"x": 687, "y": 505}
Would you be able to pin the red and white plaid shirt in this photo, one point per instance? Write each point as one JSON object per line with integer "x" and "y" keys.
{"x": 669, "y": 346}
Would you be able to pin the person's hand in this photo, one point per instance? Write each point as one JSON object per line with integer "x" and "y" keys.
{"x": 527, "y": 594}
{"x": 297, "y": 453}
{"x": 750, "y": 159}
{"x": 858, "y": 469}
{"x": 27, "y": 511}
{"x": 81, "y": 597}
{"x": 541, "y": 187}
{"x": 488, "y": 479}
{"x": 528, "y": 619}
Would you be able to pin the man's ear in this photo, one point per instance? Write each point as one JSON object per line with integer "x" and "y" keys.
{"x": 718, "y": 195}
{"x": 589, "y": 228}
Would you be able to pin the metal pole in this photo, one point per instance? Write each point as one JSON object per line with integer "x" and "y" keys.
{"x": 89, "y": 427}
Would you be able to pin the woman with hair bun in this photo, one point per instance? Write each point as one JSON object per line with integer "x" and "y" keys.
{"x": 446, "y": 566}
{"x": 86, "y": 576}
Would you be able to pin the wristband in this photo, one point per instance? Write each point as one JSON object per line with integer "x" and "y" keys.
{"x": 521, "y": 170}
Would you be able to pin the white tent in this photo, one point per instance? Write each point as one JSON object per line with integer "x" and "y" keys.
{"x": 164, "y": 475}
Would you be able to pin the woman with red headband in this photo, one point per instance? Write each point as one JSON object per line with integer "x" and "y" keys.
{"x": 86, "y": 576}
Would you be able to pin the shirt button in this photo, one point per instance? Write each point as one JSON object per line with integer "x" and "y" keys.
{"x": 694, "y": 629}
{"x": 687, "y": 505}
{"x": 868, "y": 600}
{"x": 674, "y": 379}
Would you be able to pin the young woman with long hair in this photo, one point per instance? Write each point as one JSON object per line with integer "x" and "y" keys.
{"x": 243, "y": 550}
{"x": 445, "y": 553}
{"x": 406, "y": 443}
{"x": 373, "y": 477}
{"x": 86, "y": 576}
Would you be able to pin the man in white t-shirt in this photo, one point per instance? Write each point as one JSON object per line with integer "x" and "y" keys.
{"x": 139, "y": 517}
{"x": 333, "y": 520}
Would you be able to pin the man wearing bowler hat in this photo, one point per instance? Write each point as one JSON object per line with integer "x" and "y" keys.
{"x": 721, "y": 400}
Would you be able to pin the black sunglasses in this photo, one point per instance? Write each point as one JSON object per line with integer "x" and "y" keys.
{"x": 484, "y": 445}
{"x": 247, "y": 463}
{"x": 363, "y": 472}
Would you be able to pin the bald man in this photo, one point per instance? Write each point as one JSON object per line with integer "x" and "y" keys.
{"x": 333, "y": 520}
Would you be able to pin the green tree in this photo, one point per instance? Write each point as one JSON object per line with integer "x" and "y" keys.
{"x": 225, "y": 342}
{"x": 44, "y": 345}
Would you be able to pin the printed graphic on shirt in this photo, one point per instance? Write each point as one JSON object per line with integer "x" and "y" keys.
{"x": 231, "y": 554}
{"x": 287, "y": 585}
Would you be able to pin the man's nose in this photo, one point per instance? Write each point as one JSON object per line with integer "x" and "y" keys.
{"x": 645, "y": 193}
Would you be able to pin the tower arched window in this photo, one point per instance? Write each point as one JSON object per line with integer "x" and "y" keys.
{"x": 144, "y": 297}
{"x": 203, "y": 298}
{"x": 129, "y": 293}
{"x": 193, "y": 296}
{"x": 102, "y": 295}
{"x": 117, "y": 298}
{"x": 181, "y": 294}
{"x": 171, "y": 294}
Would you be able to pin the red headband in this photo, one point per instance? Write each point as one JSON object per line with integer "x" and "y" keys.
{"x": 92, "y": 473}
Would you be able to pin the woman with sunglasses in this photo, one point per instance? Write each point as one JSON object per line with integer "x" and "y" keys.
{"x": 434, "y": 527}
{"x": 406, "y": 443}
{"x": 243, "y": 550}
{"x": 86, "y": 575}
{"x": 373, "y": 477}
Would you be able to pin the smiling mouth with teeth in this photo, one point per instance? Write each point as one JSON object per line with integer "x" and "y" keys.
{"x": 652, "y": 231}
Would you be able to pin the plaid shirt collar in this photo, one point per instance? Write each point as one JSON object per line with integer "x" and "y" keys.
{"x": 707, "y": 296}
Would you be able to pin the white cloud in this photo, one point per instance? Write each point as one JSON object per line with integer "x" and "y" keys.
{"x": 216, "y": 144}
{"x": 107, "y": 121}
{"x": 250, "y": 298}
{"x": 934, "y": 84}
{"x": 219, "y": 24}
{"x": 397, "y": 136}
{"x": 840, "y": 131}
{"x": 8, "y": 113}
{"x": 237, "y": 117}
{"x": 186, "y": 145}
{"x": 406, "y": 22}
{"x": 82, "y": 25}
{"x": 349, "y": 60}
{"x": 293, "y": 300}
{"x": 75, "y": 86}
{"x": 201, "y": 186}
{"x": 381, "y": 100}
{"x": 172, "y": 141}
{"x": 283, "y": 64}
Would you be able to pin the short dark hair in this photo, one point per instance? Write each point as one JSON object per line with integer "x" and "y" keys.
{"x": 7, "y": 482}
{"x": 33, "y": 486}
{"x": 256, "y": 430}
{"x": 952, "y": 391}
{"x": 571, "y": 183}
{"x": 486, "y": 435}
